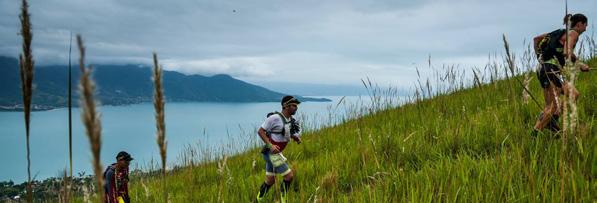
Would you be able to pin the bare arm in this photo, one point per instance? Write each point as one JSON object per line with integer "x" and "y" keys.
{"x": 536, "y": 41}
{"x": 573, "y": 39}
{"x": 569, "y": 47}
{"x": 265, "y": 139}
{"x": 584, "y": 67}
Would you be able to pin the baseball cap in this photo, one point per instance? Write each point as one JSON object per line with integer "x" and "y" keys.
{"x": 124, "y": 156}
{"x": 289, "y": 100}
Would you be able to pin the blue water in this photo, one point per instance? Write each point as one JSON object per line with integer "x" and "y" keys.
{"x": 228, "y": 126}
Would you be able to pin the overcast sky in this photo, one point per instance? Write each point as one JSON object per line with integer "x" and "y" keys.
{"x": 311, "y": 41}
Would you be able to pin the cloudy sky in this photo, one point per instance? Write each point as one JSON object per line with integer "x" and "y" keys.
{"x": 311, "y": 41}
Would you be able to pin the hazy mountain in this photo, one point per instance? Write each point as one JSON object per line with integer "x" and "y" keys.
{"x": 126, "y": 84}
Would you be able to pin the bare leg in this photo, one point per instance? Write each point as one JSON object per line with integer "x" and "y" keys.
{"x": 287, "y": 180}
{"x": 269, "y": 181}
{"x": 289, "y": 176}
{"x": 551, "y": 107}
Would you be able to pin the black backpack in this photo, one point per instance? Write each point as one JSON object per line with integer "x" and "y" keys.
{"x": 109, "y": 168}
{"x": 551, "y": 47}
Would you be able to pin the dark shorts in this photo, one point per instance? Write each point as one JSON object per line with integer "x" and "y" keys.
{"x": 550, "y": 74}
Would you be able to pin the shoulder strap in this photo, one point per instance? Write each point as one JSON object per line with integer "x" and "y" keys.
{"x": 557, "y": 34}
{"x": 282, "y": 117}
{"x": 107, "y": 169}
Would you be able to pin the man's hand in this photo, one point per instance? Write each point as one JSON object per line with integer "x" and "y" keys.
{"x": 297, "y": 139}
{"x": 584, "y": 67}
{"x": 275, "y": 149}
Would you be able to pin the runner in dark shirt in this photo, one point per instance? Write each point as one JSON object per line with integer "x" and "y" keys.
{"x": 116, "y": 178}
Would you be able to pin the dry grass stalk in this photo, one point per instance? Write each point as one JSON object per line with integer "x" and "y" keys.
{"x": 158, "y": 104}
{"x": 570, "y": 101}
{"x": 26, "y": 66}
{"x": 511, "y": 64}
{"x": 569, "y": 108}
{"x": 565, "y": 111}
{"x": 592, "y": 45}
{"x": 85, "y": 189}
{"x": 477, "y": 80}
{"x": 570, "y": 71}
{"x": 564, "y": 71}
{"x": 90, "y": 117}
{"x": 329, "y": 180}
{"x": 528, "y": 65}
{"x": 70, "y": 107}
{"x": 64, "y": 195}
{"x": 223, "y": 172}
{"x": 526, "y": 83}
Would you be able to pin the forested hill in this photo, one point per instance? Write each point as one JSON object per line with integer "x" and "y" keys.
{"x": 126, "y": 84}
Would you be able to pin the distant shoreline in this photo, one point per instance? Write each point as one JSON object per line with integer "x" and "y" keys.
{"x": 34, "y": 107}
{"x": 19, "y": 108}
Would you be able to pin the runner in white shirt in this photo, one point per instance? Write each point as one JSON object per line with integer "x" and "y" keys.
{"x": 276, "y": 131}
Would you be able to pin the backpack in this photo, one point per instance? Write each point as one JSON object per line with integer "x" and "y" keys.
{"x": 294, "y": 126}
{"x": 108, "y": 169}
{"x": 550, "y": 47}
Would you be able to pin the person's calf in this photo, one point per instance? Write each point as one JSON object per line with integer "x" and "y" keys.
{"x": 553, "y": 123}
{"x": 263, "y": 189}
{"x": 285, "y": 186}
{"x": 543, "y": 119}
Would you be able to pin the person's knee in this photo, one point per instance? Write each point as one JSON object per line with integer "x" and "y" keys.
{"x": 289, "y": 176}
{"x": 553, "y": 110}
{"x": 270, "y": 180}
{"x": 550, "y": 110}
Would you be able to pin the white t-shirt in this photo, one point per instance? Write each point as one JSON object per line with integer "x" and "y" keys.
{"x": 274, "y": 125}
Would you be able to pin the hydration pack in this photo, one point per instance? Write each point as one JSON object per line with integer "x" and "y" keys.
{"x": 294, "y": 126}
{"x": 550, "y": 47}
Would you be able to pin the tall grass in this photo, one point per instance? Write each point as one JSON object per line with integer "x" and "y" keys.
{"x": 70, "y": 114}
{"x": 68, "y": 186}
{"x": 90, "y": 117}
{"x": 158, "y": 104}
{"x": 64, "y": 194}
{"x": 26, "y": 67}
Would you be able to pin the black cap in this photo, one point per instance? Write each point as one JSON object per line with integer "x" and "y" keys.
{"x": 123, "y": 156}
{"x": 289, "y": 100}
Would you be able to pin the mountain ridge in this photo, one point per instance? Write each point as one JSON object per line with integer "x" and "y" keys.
{"x": 126, "y": 84}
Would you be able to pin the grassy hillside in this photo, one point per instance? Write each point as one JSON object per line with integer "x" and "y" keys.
{"x": 471, "y": 145}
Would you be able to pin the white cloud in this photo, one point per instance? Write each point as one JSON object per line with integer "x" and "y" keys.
{"x": 298, "y": 41}
{"x": 235, "y": 66}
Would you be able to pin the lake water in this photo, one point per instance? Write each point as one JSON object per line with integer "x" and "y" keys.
{"x": 230, "y": 126}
